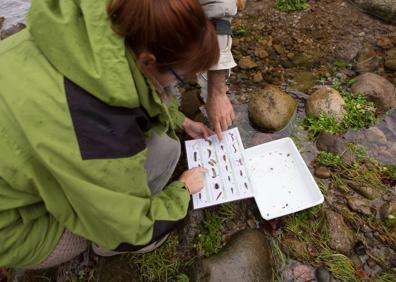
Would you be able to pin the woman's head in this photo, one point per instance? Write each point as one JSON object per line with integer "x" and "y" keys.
{"x": 167, "y": 34}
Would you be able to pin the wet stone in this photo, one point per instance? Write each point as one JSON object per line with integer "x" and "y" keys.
{"x": 367, "y": 60}
{"x": 322, "y": 172}
{"x": 303, "y": 81}
{"x": 260, "y": 53}
{"x": 247, "y": 257}
{"x": 12, "y": 30}
{"x": 341, "y": 235}
{"x": 303, "y": 273}
{"x": 364, "y": 190}
{"x": 388, "y": 209}
{"x": 322, "y": 275}
{"x": 374, "y": 135}
{"x": 359, "y": 204}
{"x": 258, "y": 77}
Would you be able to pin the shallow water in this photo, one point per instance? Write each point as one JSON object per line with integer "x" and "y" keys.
{"x": 13, "y": 11}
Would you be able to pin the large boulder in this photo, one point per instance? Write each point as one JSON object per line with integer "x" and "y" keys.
{"x": 271, "y": 109}
{"x": 12, "y": 30}
{"x": 247, "y": 257}
{"x": 383, "y": 9}
{"x": 377, "y": 89}
{"x": 326, "y": 101}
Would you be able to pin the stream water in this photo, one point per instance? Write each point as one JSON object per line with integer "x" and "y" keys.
{"x": 13, "y": 11}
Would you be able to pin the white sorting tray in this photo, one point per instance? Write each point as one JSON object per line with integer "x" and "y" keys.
{"x": 281, "y": 180}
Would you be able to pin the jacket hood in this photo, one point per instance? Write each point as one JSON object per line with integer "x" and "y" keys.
{"x": 77, "y": 39}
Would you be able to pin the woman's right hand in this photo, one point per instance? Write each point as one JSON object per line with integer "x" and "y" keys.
{"x": 194, "y": 179}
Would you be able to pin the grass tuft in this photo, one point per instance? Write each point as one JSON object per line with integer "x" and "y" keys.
{"x": 329, "y": 159}
{"x": 339, "y": 265}
{"x": 291, "y": 5}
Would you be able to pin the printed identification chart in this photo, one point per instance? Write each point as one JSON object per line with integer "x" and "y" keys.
{"x": 227, "y": 178}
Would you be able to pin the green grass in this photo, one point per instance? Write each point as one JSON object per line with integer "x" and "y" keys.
{"x": 385, "y": 277}
{"x": 291, "y": 5}
{"x": 241, "y": 30}
{"x": 210, "y": 241}
{"x": 162, "y": 264}
{"x": 340, "y": 266}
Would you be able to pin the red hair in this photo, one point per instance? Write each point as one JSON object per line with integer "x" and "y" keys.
{"x": 177, "y": 32}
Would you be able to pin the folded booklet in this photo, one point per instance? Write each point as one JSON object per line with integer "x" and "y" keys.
{"x": 273, "y": 173}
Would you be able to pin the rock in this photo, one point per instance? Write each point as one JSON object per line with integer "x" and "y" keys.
{"x": 376, "y": 89}
{"x": 383, "y": 9}
{"x": 390, "y": 59}
{"x": 258, "y": 77}
{"x": 335, "y": 144}
{"x": 359, "y": 204}
{"x": 271, "y": 109}
{"x": 247, "y": 63}
{"x": 367, "y": 60}
{"x": 279, "y": 49}
{"x": 322, "y": 172}
{"x": 190, "y": 103}
{"x": 359, "y": 249}
{"x": 303, "y": 273}
{"x": 306, "y": 60}
{"x": 260, "y": 138}
{"x": 322, "y": 275}
{"x": 295, "y": 248}
{"x": 303, "y": 81}
{"x": 341, "y": 235}
{"x": 260, "y": 53}
{"x": 326, "y": 101}
{"x": 388, "y": 209}
{"x": 375, "y": 135}
{"x": 12, "y": 30}
{"x": 247, "y": 257}
{"x": 364, "y": 190}
{"x": 384, "y": 42}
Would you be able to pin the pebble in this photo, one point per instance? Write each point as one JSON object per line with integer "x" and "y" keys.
{"x": 303, "y": 273}
{"x": 247, "y": 63}
{"x": 322, "y": 172}
{"x": 258, "y": 77}
{"x": 322, "y": 275}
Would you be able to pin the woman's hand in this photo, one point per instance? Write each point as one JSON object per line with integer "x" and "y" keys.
{"x": 196, "y": 129}
{"x": 194, "y": 179}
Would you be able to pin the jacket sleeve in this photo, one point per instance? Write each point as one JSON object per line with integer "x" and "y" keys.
{"x": 108, "y": 201}
{"x": 223, "y": 10}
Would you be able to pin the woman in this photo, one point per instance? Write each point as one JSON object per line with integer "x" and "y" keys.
{"x": 85, "y": 119}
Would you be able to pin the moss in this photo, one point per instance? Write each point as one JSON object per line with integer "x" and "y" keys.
{"x": 210, "y": 241}
{"x": 329, "y": 159}
{"x": 162, "y": 264}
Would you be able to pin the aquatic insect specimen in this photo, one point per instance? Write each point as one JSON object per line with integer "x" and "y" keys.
{"x": 232, "y": 136}
{"x": 240, "y": 162}
{"x": 209, "y": 142}
{"x": 226, "y": 167}
{"x": 222, "y": 147}
{"x": 224, "y": 158}
{"x": 235, "y": 150}
{"x": 246, "y": 186}
{"x": 209, "y": 153}
{"x": 200, "y": 196}
{"x": 241, "y": 173}
{"x": 216, "y": 186}
{"x": 214, "y": 173}
{"x": 232, "y": 190}
{"x": 218, "y": 196}
{"x": 195, "y": 156}
{"x": 229, "y": 178}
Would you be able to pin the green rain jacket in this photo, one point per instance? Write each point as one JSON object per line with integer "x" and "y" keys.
{"x": 75, "y": 111}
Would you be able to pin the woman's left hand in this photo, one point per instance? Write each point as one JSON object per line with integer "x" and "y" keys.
{"x": 196, "y": 129}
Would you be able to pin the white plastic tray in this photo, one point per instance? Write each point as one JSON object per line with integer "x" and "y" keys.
{"x": 281, "y": 181}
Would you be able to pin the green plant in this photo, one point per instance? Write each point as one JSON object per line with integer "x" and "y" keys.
{"x": 329, "y": 159}
{"x": 385, "y": 277}
{"x": 339, "y": 265}
{"x": 390, "y": 171}
{"x": 323, "y": 123}
{"x": 291, "y": 5}
{"x": 162, "y": 264}
{"x": 241, "y": 30}
{"x": 360, "y": 111}
{"x": 339, "y": 64}
{"x": 210, "y": 241}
